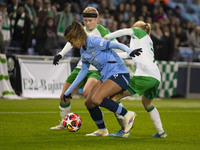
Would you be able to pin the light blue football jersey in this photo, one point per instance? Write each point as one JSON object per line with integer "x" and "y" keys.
{"x": 98, "y": 53}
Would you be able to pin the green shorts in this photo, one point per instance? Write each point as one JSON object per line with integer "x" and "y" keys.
{"x": 91, "y": 74}
{"x": 141, "y": 85}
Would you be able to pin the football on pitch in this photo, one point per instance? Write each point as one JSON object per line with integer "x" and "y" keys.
{"x": 72, "y": 122}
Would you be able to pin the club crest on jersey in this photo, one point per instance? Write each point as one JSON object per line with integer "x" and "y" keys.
{"x": 93, "y": 53}
{"x": 115, "y": 76}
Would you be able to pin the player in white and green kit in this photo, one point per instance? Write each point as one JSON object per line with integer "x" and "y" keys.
{"x": 90, "y": 19}
{"x": 147, "y": 76}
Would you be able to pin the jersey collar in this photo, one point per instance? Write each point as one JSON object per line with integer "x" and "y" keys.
{"x": 91, "y": 30}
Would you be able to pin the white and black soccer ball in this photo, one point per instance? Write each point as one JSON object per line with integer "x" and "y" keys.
{"x": 72, "y": 122}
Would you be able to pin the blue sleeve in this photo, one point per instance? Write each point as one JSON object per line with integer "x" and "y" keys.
{"x": 120, "y": 46}
{"x": 81, "y": 75}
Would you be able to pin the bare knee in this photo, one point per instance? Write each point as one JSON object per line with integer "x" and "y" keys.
{"x": 96, "y": 100}
{"x": 85, "y": 93}
{"x": 89, "y": 104}
{"x": 147, "y": 103}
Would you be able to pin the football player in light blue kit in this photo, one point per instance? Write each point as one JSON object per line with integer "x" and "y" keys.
{"x": 92, "y": 28}
{"x": 113, "y": 71}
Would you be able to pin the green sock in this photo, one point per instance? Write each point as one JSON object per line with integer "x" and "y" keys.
{"x": 118, "y": 101}
{"x": 65, "y": 105}
{"x": 150, "y": 108}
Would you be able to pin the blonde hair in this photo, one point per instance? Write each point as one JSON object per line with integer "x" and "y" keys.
{"x": 75, "y": 31}
{"x": 144, "y": 26}
{"x": 91, "y": 10}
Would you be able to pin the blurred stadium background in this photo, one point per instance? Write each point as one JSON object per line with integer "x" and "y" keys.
{"x": 30, "y": 85}
{"x": 175, "y": 33}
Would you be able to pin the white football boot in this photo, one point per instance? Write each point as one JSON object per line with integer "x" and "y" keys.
{"x": 120, "y": 133}
{"x": 58, "y": 127}
{"x": 63, "y": 113}
{"x": 129, "y": 120}
{"x": 160, "y": 135}
{"x": 99, "y": 132}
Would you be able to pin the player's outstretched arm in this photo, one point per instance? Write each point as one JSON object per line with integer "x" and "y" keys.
{"x": 60, "y": 55}
{"x": 81, "y": 75}
{"x": 119, "y": 33}
{"x": 125, "y": 48}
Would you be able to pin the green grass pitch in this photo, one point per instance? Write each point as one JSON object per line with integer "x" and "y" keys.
{"x": 25, "y": 125}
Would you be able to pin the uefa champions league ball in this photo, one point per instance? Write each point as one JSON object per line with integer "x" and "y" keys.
{"x": 72, "y": 122}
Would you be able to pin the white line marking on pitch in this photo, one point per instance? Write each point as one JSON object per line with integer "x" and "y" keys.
{"x": 52, "y": 112}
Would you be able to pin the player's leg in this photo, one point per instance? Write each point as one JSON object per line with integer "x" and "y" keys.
{"x": 110, "y": 87}
{"x": 96, "y": 113}
{"x": 92, "y": 78}
{"x": 88, "y": 86}
{"x": 120, "y": 118}
{"x": 130, "y": 91}
{"x": 155, "y": 117}
{"x": 150, "y": 90}
{"x": 117, "y": 98}
{"x": 66, "y": 106}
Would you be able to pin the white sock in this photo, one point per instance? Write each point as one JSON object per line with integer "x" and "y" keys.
{"x": 120, "y": 119}
{"x": 64, "y": 111}
{"x": 155, "y": 117}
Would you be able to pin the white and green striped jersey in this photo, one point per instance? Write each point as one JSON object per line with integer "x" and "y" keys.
{"x": 145, "y": 63}
{"x": 99, "y": 30}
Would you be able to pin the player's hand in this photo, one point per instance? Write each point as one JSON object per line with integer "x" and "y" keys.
{"x": 56, "y": 59}
{"x": 65, "y": 97}
{"x": 136, "y": 52}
